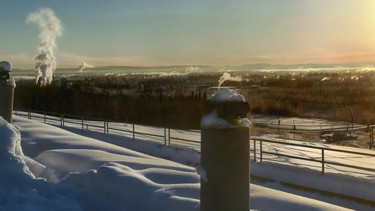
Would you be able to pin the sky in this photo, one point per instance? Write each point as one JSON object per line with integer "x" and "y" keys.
{"x": 194, "y": 32}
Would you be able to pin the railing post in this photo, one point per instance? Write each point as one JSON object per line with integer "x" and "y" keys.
{"x": 104, "y": 127}
{"x": 45, "y": 118}
{"x": 29, "y": 114}
{"x": 255, "y": 151}
{"x": 372, "y": 136}
{"x": 107, "y": 128}
{"x": 133, "y": 132}
{"x": 169, "y": 136}
{"x": 261, "y": 150}
{"x": 61, "y": 120}
{"x": 322, "y": 161}
{"x": 165, "y": 136}
{"x": 370, "y": 140}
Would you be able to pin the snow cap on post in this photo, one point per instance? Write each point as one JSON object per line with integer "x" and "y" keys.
{"x": 5, "y": 66}
{"x": 228, "y": 104}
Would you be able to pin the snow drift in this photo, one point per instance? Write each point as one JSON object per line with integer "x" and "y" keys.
{"x": 93, "y": 175}
{"x": 91, "y": 183}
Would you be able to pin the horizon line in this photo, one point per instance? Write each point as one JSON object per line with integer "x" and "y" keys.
{"x": 202, "y": 65}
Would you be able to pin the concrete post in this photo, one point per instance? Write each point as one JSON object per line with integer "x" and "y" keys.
{"x": 225, "y": 154}
{"x": 7, "y": 86}
{"x": 225, "y": 158}
{"x": 6, "y": 102}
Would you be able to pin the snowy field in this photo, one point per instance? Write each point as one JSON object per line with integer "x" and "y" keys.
{"x": 304, "y": 124}
{"x": 61, "y": 170}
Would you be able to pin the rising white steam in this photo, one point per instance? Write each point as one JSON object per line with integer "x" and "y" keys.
{"x": 50, "y": 28}
{"x": 192, "y": 69}
{"x": 84, "y": 65}
{"x": 326, "y": 79}
{"x": 227, "y": 77}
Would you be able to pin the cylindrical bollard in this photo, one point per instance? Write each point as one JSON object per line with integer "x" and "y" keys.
{"x": 7, "y": 85}
{"x": 225, "y": 158}
{"x": 225, "y": 153}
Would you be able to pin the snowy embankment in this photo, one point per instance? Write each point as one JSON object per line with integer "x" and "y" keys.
{"x": 88, "y": 174}
{"x": 85, "y": 173}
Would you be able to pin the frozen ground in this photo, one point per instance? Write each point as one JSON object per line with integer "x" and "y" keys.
{"x": 307, "y": 124}
{"x": 87, "y": 173}
{"x": 312, "y": 130}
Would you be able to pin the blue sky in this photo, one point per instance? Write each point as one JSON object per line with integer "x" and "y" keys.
{"x": 180, "y": 32}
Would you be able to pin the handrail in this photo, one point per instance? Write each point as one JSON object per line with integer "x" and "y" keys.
{"x": 105, "y": 126}
{"x": 313, "y": 147}
{"x": 322, "y": 160}
{"x": 323, "y": 127}
{"x": 167, "y": 138}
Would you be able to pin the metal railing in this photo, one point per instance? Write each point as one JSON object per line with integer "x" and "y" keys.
{"x": 348, "y": 127}
{"x": 166, "y": 136}
{"x": 322, "y": 150}
{"x": 86, "y": 123}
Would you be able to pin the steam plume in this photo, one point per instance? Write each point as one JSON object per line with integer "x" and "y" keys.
{"x": 84, "y": 65}
{"x": 227, "y": 77}
{"x": 50, "y": 28}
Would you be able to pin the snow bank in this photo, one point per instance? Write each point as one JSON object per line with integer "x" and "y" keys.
{"x": 82, "y": 160}
{"x": 19, "y": 190}
{"x": 303, "y": 177}
{"x": 263, "y": 198}
{"x": 107, "y": 177}
{"x": 102, "y": 176}
{"x": 124, "y": 188}
{"x": 57, "y": 138}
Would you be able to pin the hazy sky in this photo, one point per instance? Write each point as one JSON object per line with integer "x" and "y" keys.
{"x": 192, "y": 32}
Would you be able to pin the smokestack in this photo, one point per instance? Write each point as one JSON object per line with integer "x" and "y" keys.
{"x": 7, "y": 85}
{"x": 225, "y": 156}
{"x": 50, "y": 28}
